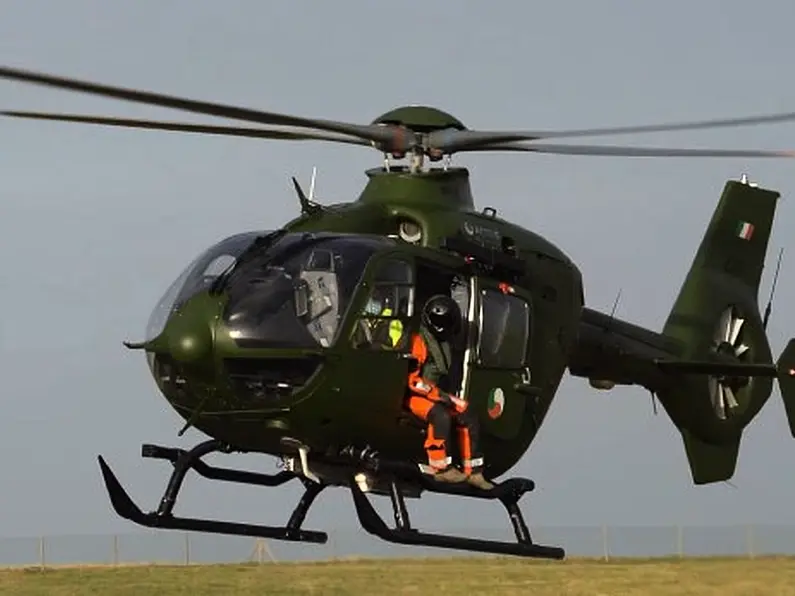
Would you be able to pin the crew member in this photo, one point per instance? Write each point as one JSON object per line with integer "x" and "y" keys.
{"x": 431, "y": 346}
{"x": 385, "y": 333}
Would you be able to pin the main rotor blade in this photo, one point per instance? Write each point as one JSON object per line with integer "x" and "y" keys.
{"x": 393, "y": 138}
{"x": 262, "y": 133}
{"x": 451, "y": 141}
{"x": 607, "y": 150}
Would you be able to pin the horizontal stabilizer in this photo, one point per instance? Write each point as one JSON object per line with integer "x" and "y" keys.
{"x": 786, "y": 382}
{"x": 697, "y": 367}
{"x": 710, "y": 462}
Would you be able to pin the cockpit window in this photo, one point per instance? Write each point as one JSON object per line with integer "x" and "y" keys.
{"x": 218, "y": 265}
{"x": 197, "y": 277}
{"x": 389, "y": 308}
{"x": 295, "y": 293}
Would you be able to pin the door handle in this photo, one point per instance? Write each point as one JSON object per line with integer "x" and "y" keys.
{"x": 527, "y": 389}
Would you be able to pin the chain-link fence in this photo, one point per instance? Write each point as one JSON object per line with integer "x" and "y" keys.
{"x": 170, "y": 547}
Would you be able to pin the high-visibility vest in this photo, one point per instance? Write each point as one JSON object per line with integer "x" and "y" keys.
{"x": 395, "y": 327}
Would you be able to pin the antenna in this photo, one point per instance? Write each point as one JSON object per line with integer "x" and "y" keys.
{"x": 613, "y": 312}
{"x": 308, "y": 206}
{"x": 615, "y": 304}
{"x": 607, "y": 329}
{"x": 769, "y": 306}
{"x": 312, "y": 183}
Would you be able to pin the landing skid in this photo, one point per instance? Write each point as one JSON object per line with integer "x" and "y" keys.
{"x": 508, "y": 493}
{"x": 186, "y": 460}
{"x": 398, "y": 479}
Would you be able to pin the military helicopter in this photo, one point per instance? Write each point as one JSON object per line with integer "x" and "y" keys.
{"x": 258, "y": 342}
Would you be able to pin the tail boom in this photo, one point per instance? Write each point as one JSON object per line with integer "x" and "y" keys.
{"x": 711, "y": 366}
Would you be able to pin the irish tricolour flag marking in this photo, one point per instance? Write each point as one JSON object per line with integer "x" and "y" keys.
{"x": 745, "y": 230}
{"x": 496, "y": 403}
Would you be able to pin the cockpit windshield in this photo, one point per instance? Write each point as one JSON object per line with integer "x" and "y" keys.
{"x": 295, "y": 293}
{"x": 197, "y": 277}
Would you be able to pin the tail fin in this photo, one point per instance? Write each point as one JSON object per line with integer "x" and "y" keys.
{"x": 716, "y": 324}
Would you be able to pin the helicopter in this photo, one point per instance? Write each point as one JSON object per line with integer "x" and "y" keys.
{"x": 259, "y": 342}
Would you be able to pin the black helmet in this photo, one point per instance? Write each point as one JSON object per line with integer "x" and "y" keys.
{"x": 442, "y": 315}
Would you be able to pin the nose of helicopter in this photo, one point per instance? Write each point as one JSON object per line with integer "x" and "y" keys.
{"x": 256, "y": 358}
{"x": 188, "y": 334}
{"x": 181, "y": 354}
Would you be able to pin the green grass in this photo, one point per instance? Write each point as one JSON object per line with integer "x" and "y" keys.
{"x": 467, "y": 576}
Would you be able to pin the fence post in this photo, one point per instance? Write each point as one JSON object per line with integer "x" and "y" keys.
{"x": 605, "y": 548}
{"x": 750, "y": 540}
{"x": 187, "y": 548}
{"x": 680, "y": 547}
{"x": 42, "y": 552}
{"x": 115, "y": 549}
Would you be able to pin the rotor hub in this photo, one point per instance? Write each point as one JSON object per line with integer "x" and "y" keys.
{"x": 419, "y": 122}
{"x": 422, "y": 119}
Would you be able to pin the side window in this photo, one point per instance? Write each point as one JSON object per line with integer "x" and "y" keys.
{"x": 504, "y": 330}
{"x": 383, "y": 323}
{"x": 459, "y": 291}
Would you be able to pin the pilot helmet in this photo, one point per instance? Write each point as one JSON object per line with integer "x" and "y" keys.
{"x": 442, "y": 315}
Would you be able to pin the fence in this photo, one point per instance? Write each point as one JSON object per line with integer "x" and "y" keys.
{"x": 170, "y": 547}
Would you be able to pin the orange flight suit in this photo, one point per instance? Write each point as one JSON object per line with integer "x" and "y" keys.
{"x": 440, "y": 410}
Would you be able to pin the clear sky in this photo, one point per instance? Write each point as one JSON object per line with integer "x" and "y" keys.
{"x": 95, "y": 223}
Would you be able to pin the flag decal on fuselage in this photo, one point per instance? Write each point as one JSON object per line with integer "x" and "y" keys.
{"x": 745, "y": 230}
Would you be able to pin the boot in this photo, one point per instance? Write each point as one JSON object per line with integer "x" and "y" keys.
{"x": 477, "y": 480}
{"x": 451, "y": 475}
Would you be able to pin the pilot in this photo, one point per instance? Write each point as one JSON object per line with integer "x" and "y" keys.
{"x": 431, "y": 346}
{"x": 385, "y": 333}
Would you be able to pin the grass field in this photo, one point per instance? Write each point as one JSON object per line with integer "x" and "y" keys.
{"x": 469, "y": 576}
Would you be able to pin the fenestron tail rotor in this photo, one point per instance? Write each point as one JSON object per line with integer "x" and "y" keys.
{"x": 417, "y": 134}
{"x": 727, "y": 340}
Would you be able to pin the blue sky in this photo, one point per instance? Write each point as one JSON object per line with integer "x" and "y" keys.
{"x": 95, "y": 223}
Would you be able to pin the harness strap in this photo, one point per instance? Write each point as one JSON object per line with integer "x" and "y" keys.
{"x": 440, "y": 356}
